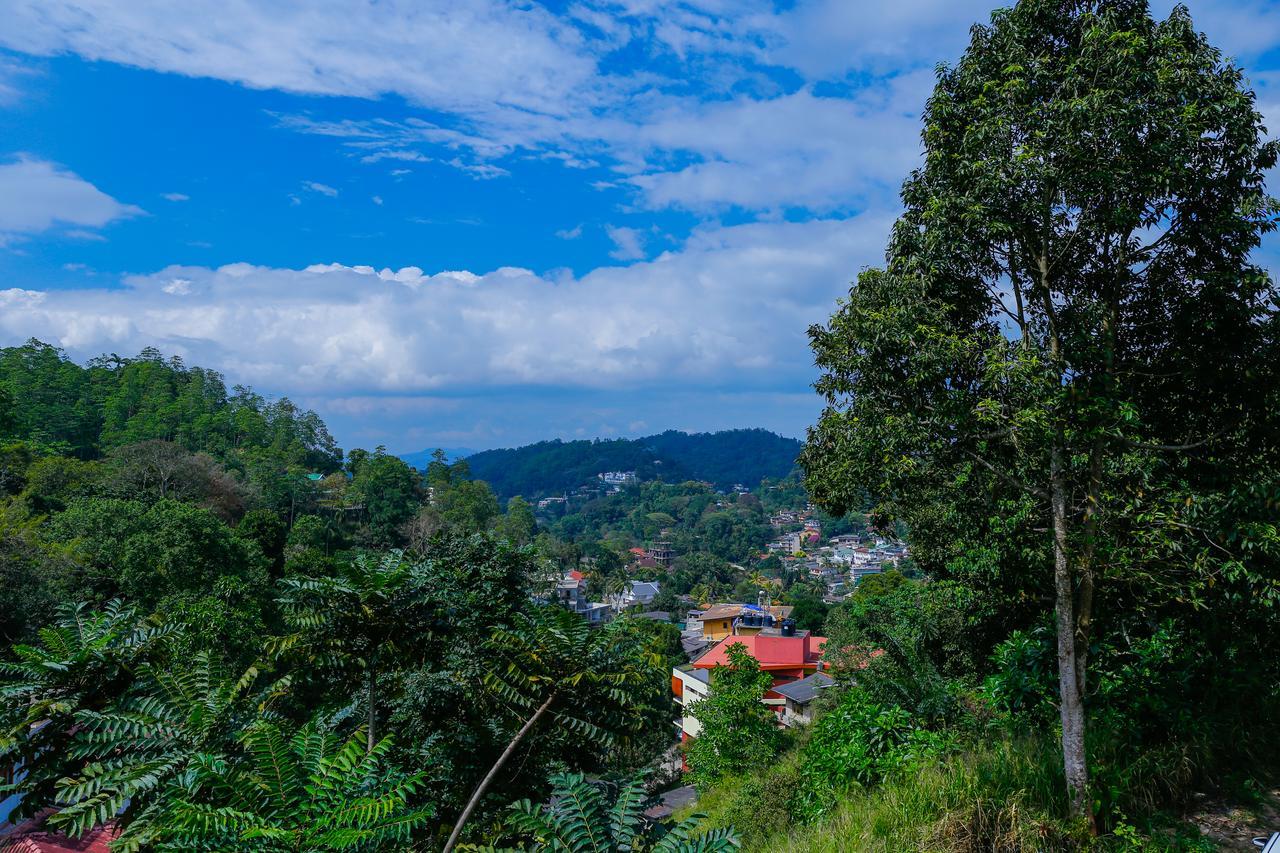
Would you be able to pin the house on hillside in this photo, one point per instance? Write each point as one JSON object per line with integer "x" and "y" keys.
{"x": 788, "y": 655}
{"x": 799, "y": 696}
{"x": 726, "y": 620}
{"x": 640, "y": 592}
{"x": 571, "y": 592}
{"x": 662, "y": 553}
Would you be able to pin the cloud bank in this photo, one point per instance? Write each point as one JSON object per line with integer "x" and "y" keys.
{"x": 730, "y": 306}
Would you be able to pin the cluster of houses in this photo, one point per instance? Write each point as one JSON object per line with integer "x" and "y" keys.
{"x": 842, "y": 562}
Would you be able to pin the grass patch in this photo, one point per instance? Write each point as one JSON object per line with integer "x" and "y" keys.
{"x": 1006, "y": 795}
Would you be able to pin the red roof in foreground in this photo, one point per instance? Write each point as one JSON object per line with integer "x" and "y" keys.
{"x": 772, "y": 652}
{"x": 577, "y": 575}
{"x": 28, "y": 839}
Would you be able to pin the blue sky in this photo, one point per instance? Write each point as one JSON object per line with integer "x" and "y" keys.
{"x": 474, "y": 224}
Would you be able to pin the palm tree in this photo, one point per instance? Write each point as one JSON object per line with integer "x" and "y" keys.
{"x": 357, "y": 618}
{"x": 615, "y": 588}
{"x": 596, "y": 818}
{"x": 305, "y": 792}
{"x": 553, "y": 664}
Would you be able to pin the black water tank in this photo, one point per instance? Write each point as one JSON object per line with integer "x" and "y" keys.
{"x": 788, "y": 627}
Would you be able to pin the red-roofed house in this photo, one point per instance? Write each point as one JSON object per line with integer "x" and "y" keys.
{"x": 787, "y": 657}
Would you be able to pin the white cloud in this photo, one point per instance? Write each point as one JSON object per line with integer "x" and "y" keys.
{"x": 37, "y": 195}
{"x": 317, "y": 187}
{"x": 502, "y": 79}
{"x": 570, "y": 233}
{"x": 797, "y": 150}
{"x": 12, "y": 76}
{"x": 731, "y": 305}
{"x": 176, "y": 197}
{"x": 377, "y": 199}
{"x": 482, "y": 55}
{"x": 628, "y": 243}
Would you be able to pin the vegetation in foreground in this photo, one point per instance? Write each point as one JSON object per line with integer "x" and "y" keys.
{"x": 1063, "y": 382}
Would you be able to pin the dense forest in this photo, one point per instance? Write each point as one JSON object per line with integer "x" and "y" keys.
{"x": 724, "y": 459}
{"x": 232, "y": 635}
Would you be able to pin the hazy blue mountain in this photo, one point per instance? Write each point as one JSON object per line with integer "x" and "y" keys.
{"x": 422, "y": 457}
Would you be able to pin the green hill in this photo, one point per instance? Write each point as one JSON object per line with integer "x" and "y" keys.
{"x": 722, "y": 458}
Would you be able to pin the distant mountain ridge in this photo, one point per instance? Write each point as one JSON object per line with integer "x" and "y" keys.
{"x": 552, "y": 467}
{"x": 421, "y": 458}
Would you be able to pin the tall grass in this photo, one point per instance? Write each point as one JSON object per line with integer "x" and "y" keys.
{"x": 1000, "y": 793}
{"x": 1003, "y": 796}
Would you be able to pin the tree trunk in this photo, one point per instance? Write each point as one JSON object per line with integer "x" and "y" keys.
{"x": 372, "y": 716}
{"x": 1074, "y": 761}
{"x": 493, "y": 772}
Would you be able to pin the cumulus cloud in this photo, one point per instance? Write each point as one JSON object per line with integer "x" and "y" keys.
{"x": 37, "y": 195}
{"x": 176, "y": 197}
{"x": 732, "y": 303}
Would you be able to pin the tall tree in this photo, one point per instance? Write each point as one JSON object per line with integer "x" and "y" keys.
{"x": 1069, "y": 346}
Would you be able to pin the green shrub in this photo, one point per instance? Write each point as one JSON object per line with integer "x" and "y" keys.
{"x": 858, "y": 742}
{"x": 1023, "y": 683}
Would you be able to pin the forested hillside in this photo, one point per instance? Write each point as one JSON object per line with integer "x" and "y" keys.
{"x": 206, "y": 606}
{"x": 744, "y": 456}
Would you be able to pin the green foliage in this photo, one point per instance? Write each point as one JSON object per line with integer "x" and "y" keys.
{"x": 52, "y": 482}
{"x": 1021, "y": 684}
{"x": 587, "y": 679}
{"x": 283, "y": 791}
{"x": 266, "y": 529}
{"x": 1038, "y": 382}
{"x": 35, "y": 576}
{"x": 736, "y": 732}
{"x": 518, "y": 526}
{"x": 115, "y": 401}
{"x": 809, "y": 610}
{"x": 134, "y": 752}
{"x": 858, "y": 742}
{"x": 470, "y": 506}
{"x": 908, "y": 645}
{"x": 82, "y": 663}
{"x": 180, "y": 548}
{"x": 388, "y": 490}
{"x": 597, "y": 818}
